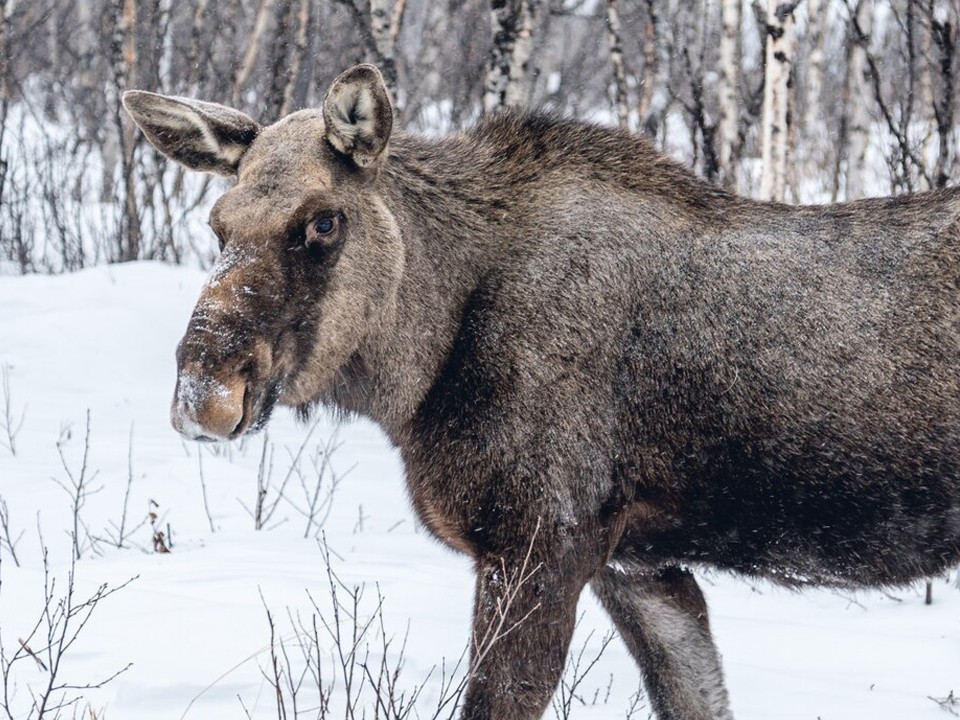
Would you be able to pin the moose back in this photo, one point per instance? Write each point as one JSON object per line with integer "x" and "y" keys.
{"x": 599, "y": 370}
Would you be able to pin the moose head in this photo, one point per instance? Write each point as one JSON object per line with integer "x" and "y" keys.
{"x": 310, "y": 255}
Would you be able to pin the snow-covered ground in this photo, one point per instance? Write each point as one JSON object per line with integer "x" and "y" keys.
{"x": 194, "y": 623}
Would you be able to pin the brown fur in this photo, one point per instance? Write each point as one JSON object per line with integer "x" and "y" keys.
{"x": 594, "y": 365}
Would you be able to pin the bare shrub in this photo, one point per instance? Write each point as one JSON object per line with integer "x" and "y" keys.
{"x": 119, "y": 534}
{"x": 307, "y": 486}
{"x": 339, "y": 660}
{"x": 77, "y": 485}
{"x": 10, "y": 423}
{"x": 45, "y": 643}
{"x": 950, "y": 703}
{"x": 578, "y": 667}
{"x": 7, "y": 541}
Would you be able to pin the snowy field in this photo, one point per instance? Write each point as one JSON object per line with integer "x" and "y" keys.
{"x": 192, "y": 625}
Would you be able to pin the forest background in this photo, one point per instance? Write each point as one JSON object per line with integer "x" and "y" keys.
{"x": 811, "y": 101}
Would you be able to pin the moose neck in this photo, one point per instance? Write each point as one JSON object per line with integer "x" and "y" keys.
{"x": 448, "y": 213}
{"x": 466, "y": 205}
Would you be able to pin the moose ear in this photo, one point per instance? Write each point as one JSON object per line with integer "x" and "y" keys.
{"x": 357, "y": 114}
{"x": 200, "y": 135}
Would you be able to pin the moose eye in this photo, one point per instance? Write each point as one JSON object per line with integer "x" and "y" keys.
{"x": 322, "y": 231}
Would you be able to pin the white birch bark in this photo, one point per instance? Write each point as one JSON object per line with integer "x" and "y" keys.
{"x": 125, "y": 77}
{"x": 774, "y": 131}
{"x": 648, "y": 83}
{"x": 385, "y": 20}
{"x": 619, "y": 65}
{"x": 858, "y": 134}
{"x": 727, "y": 90}
{"x": 433, "y": 30}
{"x": 507, "y": 80}
{"x": 655, "y": 97}
{"x": 128, "y": 34}
{"x": 926, "y": 99}
{"x": 520, "y": 85}
{"x": 165, "y": 61}
{"x": 814, "y": 75}
{"x": 503, "y": 18}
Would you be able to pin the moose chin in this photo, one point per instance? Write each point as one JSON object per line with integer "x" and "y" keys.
{"x": 598, "y": 369}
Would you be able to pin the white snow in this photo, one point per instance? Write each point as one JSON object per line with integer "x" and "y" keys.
{"x": 193, "y": 623}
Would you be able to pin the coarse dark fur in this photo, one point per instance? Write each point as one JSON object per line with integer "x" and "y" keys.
{"x": 598, "y": 368}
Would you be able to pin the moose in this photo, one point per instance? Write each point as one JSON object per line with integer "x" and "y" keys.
{"x": 598, "y": 368}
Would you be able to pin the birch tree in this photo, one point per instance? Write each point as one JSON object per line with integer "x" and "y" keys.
{"x": 814, "y": 76}
{"x": 4, "y": 93}
{"x": 279, "y": 56}
{"x": 508, "y": 76}
{"x": 859, "y": 89}
{"x": 650, "y": 44}
{"x": 619, "y": 65}
{"x": 655, "y": 95}
{"x": 385, "y": 26}
{"x": 124, "y": 60}
{"x": 727, "y": 90}
{"x": 778, "y": 57}
{"x": 943, "y": 36}
{"x": 380, "y": 28}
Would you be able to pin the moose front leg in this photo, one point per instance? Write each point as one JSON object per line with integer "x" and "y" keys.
{"x": 524, "y": 616}
{"x": 662, "y": 617}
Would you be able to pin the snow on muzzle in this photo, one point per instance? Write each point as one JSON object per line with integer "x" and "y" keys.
{"x": 206, "y": 408}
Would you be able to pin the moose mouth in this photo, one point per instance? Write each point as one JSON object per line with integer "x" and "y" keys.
{"x": 220, "y": 413}
{"x": 258, "y": 407}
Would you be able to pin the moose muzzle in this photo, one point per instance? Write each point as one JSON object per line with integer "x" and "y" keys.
{"x": 207, "y": 408}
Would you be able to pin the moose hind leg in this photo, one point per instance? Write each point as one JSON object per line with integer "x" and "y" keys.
{"x": 662, "y": 617}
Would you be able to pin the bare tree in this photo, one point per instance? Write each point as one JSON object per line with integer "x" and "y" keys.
{"x": 385, "y": 27}
{"x": 943, "y": 35}
{"x": 4, "y": 92}
{"x": 650, "y": 111}
{"x": 508, "y": 74}
{"x": 778, "y": 56}
{"x": 194, "y": 65}
{"x": 814, "y": 74}
{"x": 63, "y": 64}
{"x": 278, "y": 52}
{"x": 691, "y": 49}
{"x": 860, "y": 88}
{"x": 246, "y": 67}
{"x": 296, "y": 57}
{"x": 124, "y": 61}
{"x": 727, "y": 90}
{"x": 619, "y": 65}
{"x": 379, "y": 27}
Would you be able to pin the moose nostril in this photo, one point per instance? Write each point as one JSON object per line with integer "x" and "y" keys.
{"x": 206, "y": 409}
